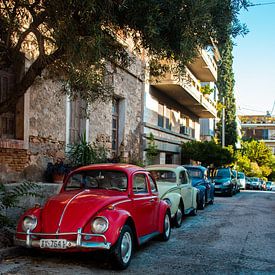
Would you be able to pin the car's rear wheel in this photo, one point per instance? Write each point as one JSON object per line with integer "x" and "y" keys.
{"x": 123, "y": 250}
{"x": 201, "y": 203}
{"x": 178, "y": 216}
{"x": 165, "y": 235}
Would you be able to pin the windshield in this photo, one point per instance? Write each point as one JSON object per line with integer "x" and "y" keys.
{"x": 98, "y": 179}
{"x": 195, "y": 173}
{"x": 222, "y": 173}
{"x": 241, "y": 175}
{"x": 164, "y": 176}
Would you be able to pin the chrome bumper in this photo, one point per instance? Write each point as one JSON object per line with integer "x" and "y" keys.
{"x": 31, "y": 242}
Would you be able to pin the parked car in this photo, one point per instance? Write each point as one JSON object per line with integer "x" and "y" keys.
{"x": 241, "y": 180}
{"x": 106, "y": 206}
{"x": 175, "y": 187}
{"x": 225, "y": 181}
{"x": 255, "y": 183}
{"x": 268, "y": 185}
{"x": 248, "y": 185}
{"x": 199, "y": 178}
{"x": 262, "y": 185}
{"x": 272, "y": 186}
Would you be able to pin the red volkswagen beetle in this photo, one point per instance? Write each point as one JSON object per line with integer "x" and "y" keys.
{"x": 106, "y": 206}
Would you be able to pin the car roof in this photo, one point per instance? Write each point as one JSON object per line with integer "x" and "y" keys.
{"x": 127, "y": 168}
{"x": 165, "y": 167}
{"x": 194, "y": 166}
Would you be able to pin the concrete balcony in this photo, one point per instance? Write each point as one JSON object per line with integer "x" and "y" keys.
{"x": 204, "y": 67}
{"x": 185, "y": 90}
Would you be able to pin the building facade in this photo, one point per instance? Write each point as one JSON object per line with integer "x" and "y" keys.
{"x": 46, "y": 121}
{"x": 259, "y": 127}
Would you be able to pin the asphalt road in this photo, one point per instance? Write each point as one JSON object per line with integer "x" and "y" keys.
{"x": 235, "y": 235}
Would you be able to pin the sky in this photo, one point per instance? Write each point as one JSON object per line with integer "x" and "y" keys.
{"x": 254, "y": 61}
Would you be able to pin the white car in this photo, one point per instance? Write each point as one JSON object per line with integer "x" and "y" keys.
{"x": 241, "y": 180}
{"x": 272, "y": 186}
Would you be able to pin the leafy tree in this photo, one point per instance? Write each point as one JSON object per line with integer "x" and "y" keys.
{"x": 226, "y": 95}
{"x": 208, "y": 153}
{"x": 152, "y": 150}
{"x": 255, "y": 159}
{"x": 73, "y": 39}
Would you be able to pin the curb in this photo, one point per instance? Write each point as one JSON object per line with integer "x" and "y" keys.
{"x": 10, "y": 251}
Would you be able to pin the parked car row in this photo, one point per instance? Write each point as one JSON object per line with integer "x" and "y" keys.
{"x": 115, "y": 207}
{"x": 254, "y": 183}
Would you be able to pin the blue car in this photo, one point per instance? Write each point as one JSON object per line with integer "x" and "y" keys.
{"x": 199, "y": 177}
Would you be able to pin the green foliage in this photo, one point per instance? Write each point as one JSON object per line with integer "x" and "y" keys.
{"x": 152, "y": 149}
{"x": 10, "y": 198}
{"x": 225, "y": 85}
{"x": 206, "y": 90}
{"x": 85, "y": 153}
{"x": 207, "y": 152}
{"x": 79, "y": 41}
{"x": 255, "y": 159}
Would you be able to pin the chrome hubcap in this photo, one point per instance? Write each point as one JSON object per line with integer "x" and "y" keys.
{"x": 179, "y": 216}
{"x": 167, "y": 225}
{"x": 126, "y": 247}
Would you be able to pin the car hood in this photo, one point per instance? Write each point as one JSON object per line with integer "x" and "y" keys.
{"x": 221, "y": 180}
{"x": 163, "y": 188}
{"x": 196, "y": 181}
{"x": 68, "y": 211}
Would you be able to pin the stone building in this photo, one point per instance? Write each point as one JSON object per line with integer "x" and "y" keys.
{"x": 45, "y": 121}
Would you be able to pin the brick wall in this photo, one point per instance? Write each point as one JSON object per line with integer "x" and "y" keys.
{"x": 15, "y": 159}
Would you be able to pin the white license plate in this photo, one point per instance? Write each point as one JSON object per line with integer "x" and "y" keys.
{"x": 53, "y": 243}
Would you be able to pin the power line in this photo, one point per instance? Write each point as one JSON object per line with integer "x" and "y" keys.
{"x": 260, "y": 4}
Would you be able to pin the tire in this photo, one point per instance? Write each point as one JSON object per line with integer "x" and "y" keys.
{"x": 194, "y": 212}
{"x": 231, "y": 193}
{"x": 123, "y": 250}
{"x": 165, "y": 235}
{"x": 201, "y": 204}
{"x": 178, "y": 216}
{"x": 212, "y": 201}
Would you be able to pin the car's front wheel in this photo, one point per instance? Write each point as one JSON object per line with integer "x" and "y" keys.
{"x": 201, "y": 204}
{"x": 165, "y": 235}
{"x": 123, "y": 250}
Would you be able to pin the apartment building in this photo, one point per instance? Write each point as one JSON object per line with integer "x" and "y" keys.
{"x": 174, "y": 105}
{"x": 259, "y": 127}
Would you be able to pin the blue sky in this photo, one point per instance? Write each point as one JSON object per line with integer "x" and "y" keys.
{"x": 254, "y": 61}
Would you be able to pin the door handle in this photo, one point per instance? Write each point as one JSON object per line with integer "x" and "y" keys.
{"x": 151, "y": 200}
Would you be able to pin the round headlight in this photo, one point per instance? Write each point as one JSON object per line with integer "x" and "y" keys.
{"x": 29, "y": 223}
{"x": 99, "y": 225}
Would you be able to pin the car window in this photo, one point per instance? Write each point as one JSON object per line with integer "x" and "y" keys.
{"x": 195, "y": 173}
{"x": 164, "y": 176}
{"x": 152, "y": 184}
{"x": 184, "y": 178}
{"x": 140, "y": 184}
{"x": 97, "y": 179}
{"x": 222, "y": 173}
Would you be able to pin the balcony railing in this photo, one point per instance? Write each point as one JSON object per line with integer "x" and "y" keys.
{"x": 185, "y": 89}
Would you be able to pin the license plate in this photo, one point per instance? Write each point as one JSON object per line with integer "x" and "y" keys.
{"x": 53, "y": 243}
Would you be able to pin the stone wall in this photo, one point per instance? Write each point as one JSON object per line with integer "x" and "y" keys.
{"x": 129, "y": 90}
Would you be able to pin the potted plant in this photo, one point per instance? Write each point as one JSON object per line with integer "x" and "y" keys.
{"x": 55, "y": 172}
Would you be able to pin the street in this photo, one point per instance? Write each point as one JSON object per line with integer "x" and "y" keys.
{"x": 235, "y": 235}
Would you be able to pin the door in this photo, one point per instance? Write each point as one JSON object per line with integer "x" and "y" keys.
{"x": 144, "y": 205}
{"x": 186, "y": 189}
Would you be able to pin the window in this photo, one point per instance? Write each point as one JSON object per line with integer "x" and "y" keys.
{"x": 183, "y": 178}
{"x": 168, "y": 119}
{"x": 152, "y": 184}
{"x": 140, "y": 184}
{"x": 7, "y": 120}
{"x": 161, "y": 115}
{"x": 78, "y": 118}
{"x": 115, "y": 125}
